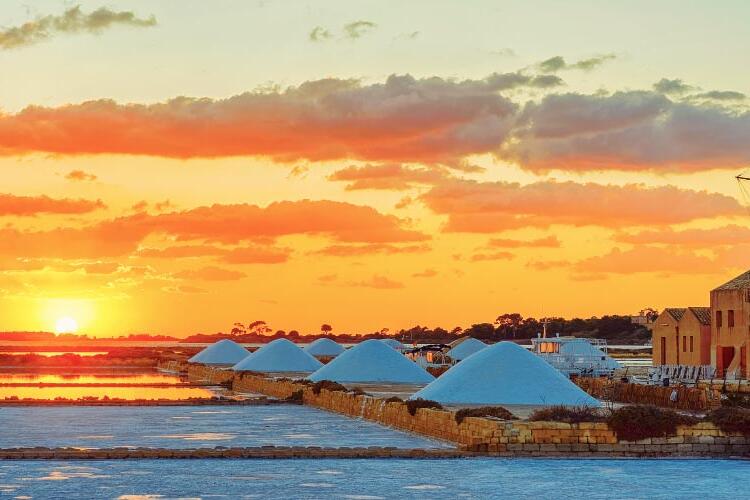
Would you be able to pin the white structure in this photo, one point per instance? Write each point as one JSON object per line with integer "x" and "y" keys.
{"x": 576, "y": 356}
{"x": 279, "y": 356}
{"x": 372, "y": 361}
{"x": 505, "y": 374}
{"x": 324, "y": 348}
{"x": 222, "y": 353}
{"x": 466, "y": 348}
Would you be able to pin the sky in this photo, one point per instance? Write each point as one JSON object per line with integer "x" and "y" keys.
{"x": 175, "y": 167}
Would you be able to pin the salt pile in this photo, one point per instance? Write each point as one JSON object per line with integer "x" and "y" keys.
{"x": 586, "y": 351}
{"x": 223, "y": 352}
{"x": 324, "y": 348}
{"x": 372, "y": 361}
{"x": 281, "y": 355}
{"x": 505, "y": 374}
{"x": 394, "y": 344}
{"x": 466, "y": 348}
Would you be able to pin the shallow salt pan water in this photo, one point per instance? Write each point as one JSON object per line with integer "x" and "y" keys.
{"x": 375, "y": 479}
{"x": 195, "y": 427}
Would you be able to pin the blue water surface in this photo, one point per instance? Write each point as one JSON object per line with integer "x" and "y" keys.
{"x": 376, "y": 478}
{"x": 195, "y": 427}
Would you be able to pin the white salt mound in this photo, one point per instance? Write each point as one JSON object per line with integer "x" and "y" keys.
{"x": 394, "y": 343}
{"x": 281, "y": 355}
{"x": 223, "y": 352}
{"x": 586, "y": 351}
{"x": 466, "y": 349}
{"x": 372, "y": 361}
{"x": 505, "y": 374}
{"x": 324, "y": 347}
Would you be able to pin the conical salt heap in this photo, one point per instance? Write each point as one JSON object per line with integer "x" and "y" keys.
{"x": 372, "y": 361}
{"x": 279, "y": 356}
{"x": 224, "y": 352}
{"x": 466, "y": 348}
{"x": 324, "y": 348}
{"x": 395, "y": 344}
{"x": 505, "y": 374}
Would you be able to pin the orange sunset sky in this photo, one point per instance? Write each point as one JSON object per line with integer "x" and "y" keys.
{"x": 174, "y": 167}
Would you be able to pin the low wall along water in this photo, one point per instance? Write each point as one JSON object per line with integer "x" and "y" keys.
{"x": 492, "y": 436}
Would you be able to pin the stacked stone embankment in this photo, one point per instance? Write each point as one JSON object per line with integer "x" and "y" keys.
{"x": 687, "y": 398}
{"x": 508, "y": 438}
{"x": 727, "y": 386}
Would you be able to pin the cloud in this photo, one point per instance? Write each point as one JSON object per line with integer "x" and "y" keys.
{"x": 404, "y": 119}
{"x": 210, "y": 273}
{"x": 548, "y": 242}
{"x": 557, "y": 63}
{"x": 181, "y": 251}
{"x": 34, "y": 205}
{"x": 391, "y": 176}
{"x": 377, "y": 281}
{"x": 79, "y": 175}
{"x": 427, "y": 273}
{"x": 492, "y": 256}
{"x": 577, "y": 132}
{"x": 705, "y": 238}
{"x": 646, "y": 259}
{"x": 319, "y": 34}
{"x": 70, "y": 22}
{"x": 720, "y": 95}
{"x": 185, "y": 289}
{"x": 228, "y": 224}
{"x": 495, "y": 206}
{"x": 371, "y": 249}
{"x": 676, "y": 86}
{"x": 505, "y": 52}
{"x": 357, "y": 29}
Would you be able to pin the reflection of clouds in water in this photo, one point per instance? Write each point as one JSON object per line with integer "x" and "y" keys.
{"x": 363, "y": 497}
{"x": 96, "y": 436}
{"x": 317, "y": 485}
{"x": 299, "y": 436}
{"x": 182, "y": 418}
{"x": 256, "y": 477}
{"x": 60, "y": 475}
{"x": 329, "y": 471}
{"x": 139, "y": 497}
{"x": 424, "y": 487}
{"x": 198, "y": 436}
{"x": 211, "y": 412}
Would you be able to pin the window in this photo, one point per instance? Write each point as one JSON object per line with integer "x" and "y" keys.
{"x": 730, "y": 318}
{"x": 718, "y": 319}
{"x": 691, "y": 343}
{"x": 684, "y": 344}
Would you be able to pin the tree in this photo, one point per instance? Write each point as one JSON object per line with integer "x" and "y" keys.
{"x": 326, "y": 329}
{"x": 293, "y": 334}
{"x": 259, "y": 327}
{"x": 238, "y": 329}
{"x": 507, "y": 324}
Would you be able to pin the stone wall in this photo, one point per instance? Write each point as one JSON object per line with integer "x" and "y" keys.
{"x": 503, "y": 438}
{"x": 688, "y": 398}
{"x": 730, "y": 386}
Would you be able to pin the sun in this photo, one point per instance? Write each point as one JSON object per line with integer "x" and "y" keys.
{"x": 66, "y": 325}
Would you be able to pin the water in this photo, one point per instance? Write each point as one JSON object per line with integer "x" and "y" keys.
{"x": 376, "y": 478}
{"x": 129, "y": 393}
{"x": 105, "y": 377}
{"x": 195, "y": 427}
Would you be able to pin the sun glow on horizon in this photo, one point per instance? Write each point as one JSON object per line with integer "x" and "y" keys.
{"x": 66, "y": 324}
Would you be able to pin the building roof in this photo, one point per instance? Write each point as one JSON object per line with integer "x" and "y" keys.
{"x": 702, "y": 313}
{"x": 741, "y": 281}
{"x": 676, "y": 312}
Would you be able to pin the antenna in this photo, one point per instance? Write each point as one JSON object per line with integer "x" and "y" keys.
{"x": 743, "y": 181}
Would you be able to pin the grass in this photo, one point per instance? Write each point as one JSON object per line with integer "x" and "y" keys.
{"x": 414, "y": 404}
{"x": 486, "y": 411}
{"x": 731, "y": 420}
{"x": 568, "y": 414}
{"x": 328, "y": 385}
{"x": 633, "y": 423}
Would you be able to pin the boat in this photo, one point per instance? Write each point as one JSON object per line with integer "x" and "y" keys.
{"x": 576, "y": 357}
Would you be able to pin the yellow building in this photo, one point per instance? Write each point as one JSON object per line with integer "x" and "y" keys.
{"x": 730, "y": 331}
{"x": 682, "y": 336}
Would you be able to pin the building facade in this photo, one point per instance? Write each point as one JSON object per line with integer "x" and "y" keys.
{"x": 682, "y": 336}
{"x": 730, "y": 329}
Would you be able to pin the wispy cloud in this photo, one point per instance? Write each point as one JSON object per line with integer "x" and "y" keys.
{"x": 319, "y": 34}
{"x": 357, "y": 29}
{"x": 558, "y": 63}
{"x": 350, "y": 31}
{"x": 71, "y": 21}
{"x": 79, "y": 175}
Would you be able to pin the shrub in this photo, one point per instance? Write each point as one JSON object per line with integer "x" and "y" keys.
{"x": 632, "y": 423}
{"x": 731, "y": 420}
{"x": 568, "y": 414}
{"x": 413, "y": 404}
{"x": 295, "y": 397}
{"x": 485, "y": 411}
{"x": 394, "y": 399}
{"x": 736, "y": 401}
{"x": 328, "y": 385}
{"x": 302, "y": 381}
{"x": 358, "y": 391}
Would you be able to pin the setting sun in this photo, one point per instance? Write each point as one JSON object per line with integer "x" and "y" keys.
{"x": 66, "y": 325}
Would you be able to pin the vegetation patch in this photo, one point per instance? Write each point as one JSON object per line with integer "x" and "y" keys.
{"x": 295, "y": 397}
{"x": 394, "y": 399}
{"x": 485, "y": 411}
{"x": 632, "y": 423}
{"x": 413, "y": 404}
{"x": 568, "y": 414}
{"x": 302, "y": 381}
{"x": 731, "y": 420}
{"x": 358, "y": 391}
{"x": 328, "y": 385}
{"x": 736, "y": 401}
